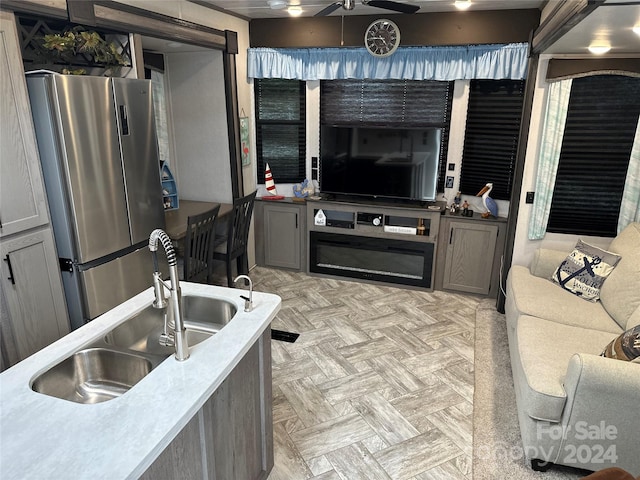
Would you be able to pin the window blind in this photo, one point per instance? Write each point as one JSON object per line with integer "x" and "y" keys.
{"x": 280, "y": 129}
{"x": 389, "y": 103}
{"x": 602, "y": 118}
{"x": 491, "y": 136}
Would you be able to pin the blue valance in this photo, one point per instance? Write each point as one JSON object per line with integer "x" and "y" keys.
{"x": 407, "y": 63}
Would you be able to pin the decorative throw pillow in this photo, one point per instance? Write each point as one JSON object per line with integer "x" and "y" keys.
{"x": 624, "y": 347}
{"x": 584, "y": 271}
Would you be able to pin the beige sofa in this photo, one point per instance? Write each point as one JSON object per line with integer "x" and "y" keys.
{"x": 575, "y": 407}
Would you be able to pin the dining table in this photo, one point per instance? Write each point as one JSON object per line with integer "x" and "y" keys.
{"x": 176, "y": 220}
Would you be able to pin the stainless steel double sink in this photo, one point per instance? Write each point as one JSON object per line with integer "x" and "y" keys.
{"x": 112, "y": 365}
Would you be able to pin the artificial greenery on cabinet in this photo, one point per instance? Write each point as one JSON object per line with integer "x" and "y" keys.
{"x": 72, "y": 49}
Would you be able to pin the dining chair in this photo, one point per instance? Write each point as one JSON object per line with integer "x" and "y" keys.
{"x": 198, "y": 246}
{"x": 233, "y": 245}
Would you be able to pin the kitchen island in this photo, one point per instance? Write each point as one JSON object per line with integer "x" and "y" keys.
{"x": 206, "y": 417}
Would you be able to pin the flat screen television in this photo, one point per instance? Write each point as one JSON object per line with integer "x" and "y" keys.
{"x": 393, "y": 163}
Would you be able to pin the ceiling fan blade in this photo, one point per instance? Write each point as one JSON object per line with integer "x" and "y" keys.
{"x": 395, "y": 6}
{"x": 328, "y": 10}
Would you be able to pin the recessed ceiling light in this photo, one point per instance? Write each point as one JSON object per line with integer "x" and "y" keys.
{"x": 277, "y": 4}
{"x": 599, "y": 48}
{"x": 636, "y": 29}
{"x": 294, "y": 11}
{"x": 462, "y": 4}
{"x": 174, "y": 45}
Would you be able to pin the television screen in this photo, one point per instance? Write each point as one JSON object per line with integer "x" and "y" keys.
{"x": 397, "y": 163}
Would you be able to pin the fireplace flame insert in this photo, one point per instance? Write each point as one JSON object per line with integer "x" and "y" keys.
{"x": 379, "y": 259}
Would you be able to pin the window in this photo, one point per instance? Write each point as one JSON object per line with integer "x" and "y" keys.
{"x": 280, "y": 129}
{"x": 491, "y": 136}
{"x": 602, "y": 118}
{"x": 390, "y": 103}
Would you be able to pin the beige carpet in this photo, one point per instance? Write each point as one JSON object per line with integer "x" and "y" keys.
{"x": 497, "y": 448}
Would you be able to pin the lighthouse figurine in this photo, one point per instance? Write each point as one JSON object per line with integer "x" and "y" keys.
{"x": 270, "y": 185}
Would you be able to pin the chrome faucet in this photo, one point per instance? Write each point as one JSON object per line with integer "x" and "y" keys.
{"x": 177, "y": 338}
{"x": 248, "y": 301}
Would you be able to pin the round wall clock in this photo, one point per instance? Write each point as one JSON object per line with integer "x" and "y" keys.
{"x": 382, "y": 38}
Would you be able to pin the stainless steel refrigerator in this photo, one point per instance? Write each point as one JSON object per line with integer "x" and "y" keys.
{"x": 98, "y": 150}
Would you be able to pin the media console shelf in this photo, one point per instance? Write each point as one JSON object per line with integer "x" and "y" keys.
{"x": 382, "y": 242}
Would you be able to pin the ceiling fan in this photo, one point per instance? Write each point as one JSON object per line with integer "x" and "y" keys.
{"x": 386, "y": 4}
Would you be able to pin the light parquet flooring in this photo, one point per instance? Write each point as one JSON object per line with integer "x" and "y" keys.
{"x": 379, "y": 385}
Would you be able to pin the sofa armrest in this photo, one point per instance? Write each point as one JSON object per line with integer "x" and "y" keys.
{"x": 603, "y": 395}
{"x": 599, "y": 377}
{"x": 545, "y": 261}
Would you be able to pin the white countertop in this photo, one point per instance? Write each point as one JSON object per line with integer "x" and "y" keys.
{"x": 46, "y": 437}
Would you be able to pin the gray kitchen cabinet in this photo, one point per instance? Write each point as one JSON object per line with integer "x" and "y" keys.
{"x": 231, "y": 436}
{"x": 182, "y": 458}
{"x": 22, "y": 197}
{"x": 470, "y": 253}
{"x": 281, "y": 234}
{"x": 32, "y": 295}
{"x": 33, "y": 306}
{"x": 238, "y": 418}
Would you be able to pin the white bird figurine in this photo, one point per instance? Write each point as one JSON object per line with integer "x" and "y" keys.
{"x": 488, "y": 202}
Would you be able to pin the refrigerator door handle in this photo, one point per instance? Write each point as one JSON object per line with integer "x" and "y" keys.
{"x": 124, "y": 120}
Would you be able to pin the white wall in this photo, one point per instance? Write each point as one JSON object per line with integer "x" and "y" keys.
{"x": 524, "y": 248}
{"x": 457, "y": 127}
{"x": 195, "y": 83}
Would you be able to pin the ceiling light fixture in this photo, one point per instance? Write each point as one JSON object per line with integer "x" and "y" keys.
{"x": 277, "y": 4}
{"x": 636, "y": 29}
{"x": 294, "y": 11}
{"x": 599, "y": 48}
{"x": 462, "y": 4}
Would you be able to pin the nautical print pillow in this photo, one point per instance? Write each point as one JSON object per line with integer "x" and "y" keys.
{"x": 584, "y": 271}
{"x": 625, "y": 347}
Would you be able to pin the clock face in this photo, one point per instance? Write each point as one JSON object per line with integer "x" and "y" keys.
{"x": 382, "y": 38}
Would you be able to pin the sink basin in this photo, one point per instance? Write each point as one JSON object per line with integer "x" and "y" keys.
{"x": 203, "y": 318}
{"x": 93, "y": 375}
{"x": 111, "y": 366}
{"x": 141, "y": 333}
{"x": 207, "y": 314}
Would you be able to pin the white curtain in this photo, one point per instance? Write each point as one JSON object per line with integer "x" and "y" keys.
{"x": 554, "y": 122}
{"x": 630, "y": 206}
{"x": 407, "y": 63}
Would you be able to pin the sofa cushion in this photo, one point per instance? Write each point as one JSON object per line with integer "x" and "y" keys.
{"x": 545, "y": 261}
{"x": 625, "y": 346}
{"x": 545, "y": 348}
{"x": 539, "y": 297}
{"x": 620, "y": 294}
{"x": 634, "y": 319}
{"x": 584, "y": 271}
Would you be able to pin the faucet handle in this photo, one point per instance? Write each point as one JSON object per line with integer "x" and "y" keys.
{"x": 248, "y": 304}
{"x": 159, "y": 301}
{"x": 167, "y": 340}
